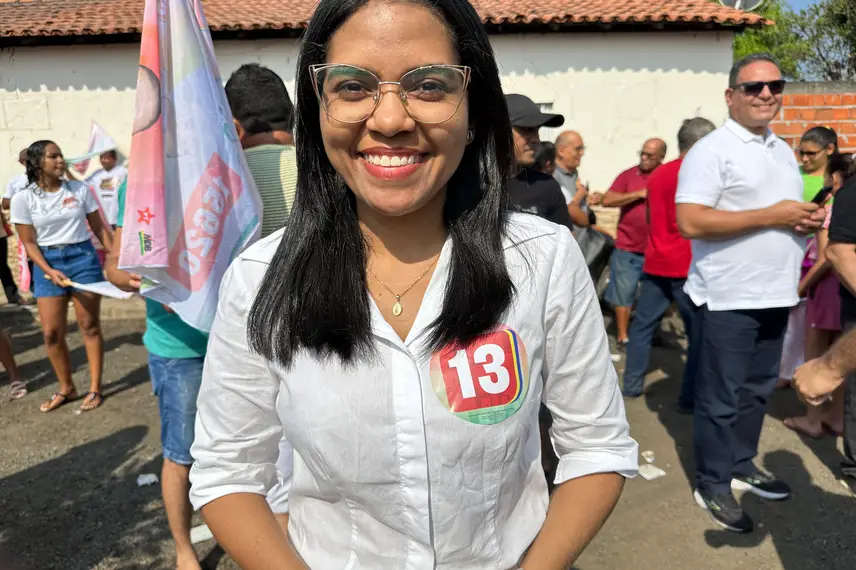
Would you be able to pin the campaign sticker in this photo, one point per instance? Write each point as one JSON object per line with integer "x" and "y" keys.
{"x": 485, "y": 382}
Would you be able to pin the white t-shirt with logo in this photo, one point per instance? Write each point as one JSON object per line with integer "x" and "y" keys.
{"x": 15, "y": 185}
{"x": 107, "y": 183}
{"x": 59, "y": 218}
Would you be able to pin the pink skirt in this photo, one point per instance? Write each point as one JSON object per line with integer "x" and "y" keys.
{"x": 823, "y": 310}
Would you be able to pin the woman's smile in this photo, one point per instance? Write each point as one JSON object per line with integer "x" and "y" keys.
{"x": 392, "y": 163}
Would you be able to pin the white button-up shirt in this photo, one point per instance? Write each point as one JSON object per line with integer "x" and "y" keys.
{"x": 412, "y": 460}
{"x": 735, "y": 170}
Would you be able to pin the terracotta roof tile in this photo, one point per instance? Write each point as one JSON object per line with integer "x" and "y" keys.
{"x": 22, "y": 18}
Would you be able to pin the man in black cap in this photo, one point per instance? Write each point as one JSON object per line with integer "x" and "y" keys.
{"x": 536, "y": 193}
{"x": 532, "y": 191}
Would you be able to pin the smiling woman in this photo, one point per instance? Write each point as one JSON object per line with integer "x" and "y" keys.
{"x": 402, "y": 331}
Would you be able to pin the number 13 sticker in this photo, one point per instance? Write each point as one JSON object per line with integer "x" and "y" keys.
{"x": 485, "y": 382}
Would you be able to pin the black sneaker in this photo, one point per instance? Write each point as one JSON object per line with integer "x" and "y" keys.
{"x": 724, "y": 511}
{"x": 762, "y": 484}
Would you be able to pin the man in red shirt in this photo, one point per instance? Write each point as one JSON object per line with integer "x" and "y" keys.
{"x": 628, "y": 192}
{"x": 667, "y": 262}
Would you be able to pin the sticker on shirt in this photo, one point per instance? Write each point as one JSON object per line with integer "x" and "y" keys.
{"x": 486, "y": 382}
{"x": 70, "y": 203}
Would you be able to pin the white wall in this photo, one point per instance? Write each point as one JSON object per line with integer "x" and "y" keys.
{"x": 616, "y": 89}
{"x": 619, "y": 89}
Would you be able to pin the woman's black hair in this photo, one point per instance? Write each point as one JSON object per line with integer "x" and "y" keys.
{"x": 545, "y": 154}
{"x": 314, "y": 294}
{"x": 841, "y": 164}
{"x": 35, "y": 159}
{"x": 821, "y": 136}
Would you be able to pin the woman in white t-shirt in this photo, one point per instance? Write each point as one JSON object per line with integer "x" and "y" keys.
{"x": 106, "y": 181}
{"x": 50, "y": 217}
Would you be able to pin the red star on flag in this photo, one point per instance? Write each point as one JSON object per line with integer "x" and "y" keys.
{"x": 146, "y": 216}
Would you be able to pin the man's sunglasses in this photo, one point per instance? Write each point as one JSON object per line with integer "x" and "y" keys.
{"x": 755, "y": 88}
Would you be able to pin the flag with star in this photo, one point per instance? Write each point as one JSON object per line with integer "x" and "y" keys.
{"x": 191, "y": 204}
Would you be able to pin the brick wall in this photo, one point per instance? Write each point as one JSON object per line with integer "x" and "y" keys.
{"x": 812, "y": 104}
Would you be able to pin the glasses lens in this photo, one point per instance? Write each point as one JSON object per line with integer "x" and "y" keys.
{"x": 777, "y": 87}
{"x": 347, "y": 93}
{"x": 753, "y": 87}
{"x": 434, "y": 93}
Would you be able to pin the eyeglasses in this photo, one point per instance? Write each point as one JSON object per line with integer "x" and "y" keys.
{"x": 755, "y": 88}
{"x": 809, "y": 153}
{"x": 644, "y": 154}
{"x": 431, "y": 94}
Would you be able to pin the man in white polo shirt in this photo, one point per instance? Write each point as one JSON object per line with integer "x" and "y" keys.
{"x": 740, "y": 201}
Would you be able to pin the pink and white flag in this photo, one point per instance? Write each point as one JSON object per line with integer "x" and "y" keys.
{"x": 191, "y": 204}
{"x": 99, "y": 142}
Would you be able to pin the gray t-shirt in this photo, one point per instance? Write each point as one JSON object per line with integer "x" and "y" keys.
{"x": 58, "y": 218}
{"x": 568, "y": 182}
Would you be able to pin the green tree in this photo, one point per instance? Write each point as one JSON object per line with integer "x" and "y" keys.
{"x": 829, "y": 27}
{"x": 782, "y": 40}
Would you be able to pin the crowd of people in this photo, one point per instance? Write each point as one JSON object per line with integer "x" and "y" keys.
{"x": 417, "y": 335}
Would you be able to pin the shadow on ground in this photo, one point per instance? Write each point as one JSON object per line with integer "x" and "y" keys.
{"x": 806, "y": 529}
{"x": 785, "y": 404}
{"x": 26, "y": 335}
{"x": 661, "y": 397}
{"x": 82, "y": 508}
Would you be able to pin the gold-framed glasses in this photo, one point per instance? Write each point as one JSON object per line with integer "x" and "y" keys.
{"x": 430, "y": 94}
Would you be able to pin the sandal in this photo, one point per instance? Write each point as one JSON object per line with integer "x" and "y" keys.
{"x": 56, "y": 400}
{"x": 17, "y": 390}
{"x": 92, "y": 401}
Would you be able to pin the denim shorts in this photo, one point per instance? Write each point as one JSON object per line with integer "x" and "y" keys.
{"x": 625, "y": 271}
{"x": 78, "y": 261}
{"x": 176, "y": 383}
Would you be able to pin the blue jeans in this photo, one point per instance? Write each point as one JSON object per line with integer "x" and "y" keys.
{"x": 655, "y": 297}
{"x": 176, "y": 383}
{"x": 78, "y": 261}
{"x": 737, "y": 371}
{"x": 625, "y": 270}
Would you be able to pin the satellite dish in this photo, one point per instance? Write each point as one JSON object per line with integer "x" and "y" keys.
{"x": 745, "y": 5}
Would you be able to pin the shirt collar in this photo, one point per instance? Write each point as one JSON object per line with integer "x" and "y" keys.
{"x": 746, "y": 135}
{"x": 564, "y": 172}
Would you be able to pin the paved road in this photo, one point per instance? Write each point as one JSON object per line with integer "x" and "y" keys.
{"x": 69, "y": 498}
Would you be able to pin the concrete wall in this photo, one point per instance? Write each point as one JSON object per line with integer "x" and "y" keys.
{"x": 616, "y": 88}
{"x": 812, "y": 104}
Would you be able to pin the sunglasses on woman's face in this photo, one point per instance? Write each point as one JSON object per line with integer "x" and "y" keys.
{"x": 808, "y": 153}
{"x": 755, "y": 88}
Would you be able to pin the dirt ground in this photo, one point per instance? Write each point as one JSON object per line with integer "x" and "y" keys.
{"x": 69, "y": 498}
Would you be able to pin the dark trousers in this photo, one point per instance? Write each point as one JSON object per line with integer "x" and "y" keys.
{"x": 848, "y": 464}
{"x": 737, "y": 371}
{"x": 656, "y": 295}
{"x": 6, "y": 277}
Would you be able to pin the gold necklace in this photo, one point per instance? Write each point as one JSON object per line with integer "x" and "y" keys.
{"x": 397, "y": 308}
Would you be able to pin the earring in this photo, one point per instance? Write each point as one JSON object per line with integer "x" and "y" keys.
{"x": 470, "y": 136}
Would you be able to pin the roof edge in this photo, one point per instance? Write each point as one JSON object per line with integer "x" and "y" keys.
{"x": 522, "y": 22}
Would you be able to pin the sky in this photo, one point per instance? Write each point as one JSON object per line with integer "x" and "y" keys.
{"x": 800, "y": 4}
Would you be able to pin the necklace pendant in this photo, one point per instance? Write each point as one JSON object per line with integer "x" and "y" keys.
{"x": 397, "y": 308}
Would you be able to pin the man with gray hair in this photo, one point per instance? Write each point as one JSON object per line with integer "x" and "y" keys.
{"x": 667, "y": 261}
